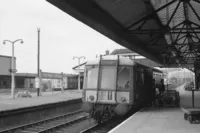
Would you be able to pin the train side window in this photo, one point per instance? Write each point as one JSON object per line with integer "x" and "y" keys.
{"x": 140, "y": 76}
{"x": 91, "y": 77}
{"x": 123, "y": 79}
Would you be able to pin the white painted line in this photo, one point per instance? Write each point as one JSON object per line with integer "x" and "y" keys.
{"x": 116, "y": 128}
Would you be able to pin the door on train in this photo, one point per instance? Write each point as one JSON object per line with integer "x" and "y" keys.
{"x": 150, "y": 92}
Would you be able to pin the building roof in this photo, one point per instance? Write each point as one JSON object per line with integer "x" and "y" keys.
{"x": 5, "y": 56}
{"x": 45, "y": 75}
{"x": 33, "y": 75}
{"x": 121, "y": 51}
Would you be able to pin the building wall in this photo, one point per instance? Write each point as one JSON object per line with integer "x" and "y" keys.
{"x": 49, "y": 81}
{"x": 19, "y": 82}
{"x": 5, "y": 62}
{"x": 29, "y": 83}
{"x": 5, "y": 82}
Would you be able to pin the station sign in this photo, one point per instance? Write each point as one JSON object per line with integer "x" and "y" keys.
{"x": 37, "y": 82}
{"x": 13, "y": 70}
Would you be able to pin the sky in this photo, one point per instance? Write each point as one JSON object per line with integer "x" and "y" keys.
{"x": 61, "y": 36}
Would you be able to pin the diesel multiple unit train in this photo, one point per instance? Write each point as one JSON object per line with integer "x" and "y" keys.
{"x": 114, "y": 84}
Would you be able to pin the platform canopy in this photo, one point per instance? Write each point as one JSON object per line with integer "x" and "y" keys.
{"x": 165, "y": 31}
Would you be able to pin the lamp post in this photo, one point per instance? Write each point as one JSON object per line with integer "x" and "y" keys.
{"x": 79, "y": 77}
{"x": 13, "y": 70}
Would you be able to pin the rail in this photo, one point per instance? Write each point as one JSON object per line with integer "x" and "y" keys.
{"x": 51, "y": 124}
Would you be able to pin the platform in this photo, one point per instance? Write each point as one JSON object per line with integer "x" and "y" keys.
{"x": 157, "y": 120}
{"x": 186, "y": 97}
{"x": 6, "y": 103}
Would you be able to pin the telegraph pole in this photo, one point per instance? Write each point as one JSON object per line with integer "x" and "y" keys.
{"x": 38, "y": 65}
{"x": 62, "y": 82}
{"x": 79, "y": 76}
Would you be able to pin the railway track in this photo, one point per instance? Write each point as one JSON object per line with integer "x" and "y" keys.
{"x": 50, "y": 125}
{"x": 90, "y": 129}
{"x": 103, "y": 127}
{"x": 110, "y": 124}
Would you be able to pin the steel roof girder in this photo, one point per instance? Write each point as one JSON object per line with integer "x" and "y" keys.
{"x": 151, "y": 14}
{"x": 177, "y": 6}
{"x": 194, "y": 11}
{"x": 198, "y": 1}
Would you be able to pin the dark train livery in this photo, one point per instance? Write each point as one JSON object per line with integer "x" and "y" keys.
{"x": 115, "y": 84}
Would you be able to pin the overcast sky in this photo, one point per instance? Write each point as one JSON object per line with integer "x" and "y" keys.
{"x": 62, "y": 36}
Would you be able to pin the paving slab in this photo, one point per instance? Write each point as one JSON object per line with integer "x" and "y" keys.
{"x": 186, "y": 97}
{"x": 157, "y": 120}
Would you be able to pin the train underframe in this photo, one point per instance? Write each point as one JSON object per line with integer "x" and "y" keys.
{"x": 103, "y": 112}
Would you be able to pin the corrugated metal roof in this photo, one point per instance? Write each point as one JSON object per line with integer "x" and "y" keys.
{"x": 181, "y": 12}
{"x": 123, "y": 11}
{"x": 143, "y": 25}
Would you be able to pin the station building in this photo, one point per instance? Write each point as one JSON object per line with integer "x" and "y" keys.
{"x": 5, "y": 72}
{"x": 80, "y": 69}
{"x": 26, "y": 81}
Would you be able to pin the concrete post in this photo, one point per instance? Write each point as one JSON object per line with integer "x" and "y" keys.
{"x": 13, "y": 69}
{"x": 62, "y": 83}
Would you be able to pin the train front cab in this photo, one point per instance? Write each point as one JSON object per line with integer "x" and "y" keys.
{"x": 101, "y": 88}
{"x": 119, "y": 86}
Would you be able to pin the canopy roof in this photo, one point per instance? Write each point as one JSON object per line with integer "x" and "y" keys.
{"x": 165, "y": 31}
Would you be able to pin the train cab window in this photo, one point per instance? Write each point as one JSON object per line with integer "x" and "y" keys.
{"x": 91, "y": 77}
{"x": 123, "y": 79}
{"x": 108, "y": 77}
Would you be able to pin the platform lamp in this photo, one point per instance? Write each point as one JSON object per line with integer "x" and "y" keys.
{"x": 79, "y": 76}
{"x": 13, "y": 70}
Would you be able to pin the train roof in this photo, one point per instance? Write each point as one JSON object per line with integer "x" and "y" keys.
{"x": 122, "y": 60}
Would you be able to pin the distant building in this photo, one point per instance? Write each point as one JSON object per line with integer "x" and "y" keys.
{"x": 5, "y": 62}
{"x": 26, "y": 81}
{"x": 5, "y": 71}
